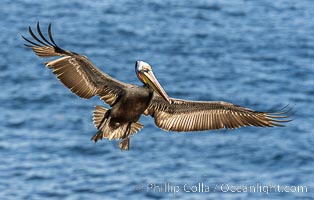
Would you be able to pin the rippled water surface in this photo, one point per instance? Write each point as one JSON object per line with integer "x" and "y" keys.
{"x": 254, "y": 53}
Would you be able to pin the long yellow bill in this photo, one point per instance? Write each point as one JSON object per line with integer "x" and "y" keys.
{"x": 151, "y": 80}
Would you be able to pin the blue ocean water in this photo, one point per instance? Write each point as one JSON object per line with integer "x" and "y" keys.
{"x": 258, "y": 54}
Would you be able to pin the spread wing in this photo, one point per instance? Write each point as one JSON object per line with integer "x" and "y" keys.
{"x": 76, "y": 71}
{"x": 183, "y": 115}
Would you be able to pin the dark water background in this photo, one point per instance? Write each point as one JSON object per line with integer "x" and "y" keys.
{"x": 254, "y": 53}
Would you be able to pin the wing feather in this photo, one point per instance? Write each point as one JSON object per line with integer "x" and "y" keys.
{"x": 183, "y": 115}
{"x": 76, "y": 71}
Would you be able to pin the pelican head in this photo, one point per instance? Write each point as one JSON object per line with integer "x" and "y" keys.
{"x": 145, "y": 74}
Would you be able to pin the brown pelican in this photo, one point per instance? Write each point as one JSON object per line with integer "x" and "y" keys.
{"x": 128, "y": 102}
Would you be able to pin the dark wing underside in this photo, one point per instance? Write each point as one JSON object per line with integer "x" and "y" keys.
{"x": 76, "y": 71}
{"x": 185, "y": 115}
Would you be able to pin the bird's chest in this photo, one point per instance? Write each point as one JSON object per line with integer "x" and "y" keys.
{"x": 132, "y": 105}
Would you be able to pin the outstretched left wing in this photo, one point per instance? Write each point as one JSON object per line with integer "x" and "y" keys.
{"x": 76, "y": 71}
{"x": 183, "y": 115}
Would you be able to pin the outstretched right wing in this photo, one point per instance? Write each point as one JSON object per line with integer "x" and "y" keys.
{"x": 76, "y": 71}
{"x": 184, "y": 115}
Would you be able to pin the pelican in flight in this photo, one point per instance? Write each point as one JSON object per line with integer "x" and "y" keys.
{"x": 128, "y": 101}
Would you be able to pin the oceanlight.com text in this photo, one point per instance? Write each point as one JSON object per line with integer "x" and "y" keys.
{"x": 203, "y": 187}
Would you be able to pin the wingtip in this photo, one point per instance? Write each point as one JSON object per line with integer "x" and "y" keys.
{"x": 38, "y": 26}
{"x": 50, "y": 35}
{"x": 30, "y": 29}
{"x": 22, "y": 36}
{"x": 285, "y": 110}
{"x": 27, "y": 45}
{"x": 282, "y": 116}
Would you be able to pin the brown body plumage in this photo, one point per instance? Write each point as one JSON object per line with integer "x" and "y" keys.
{"x": 128, "y": 102}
